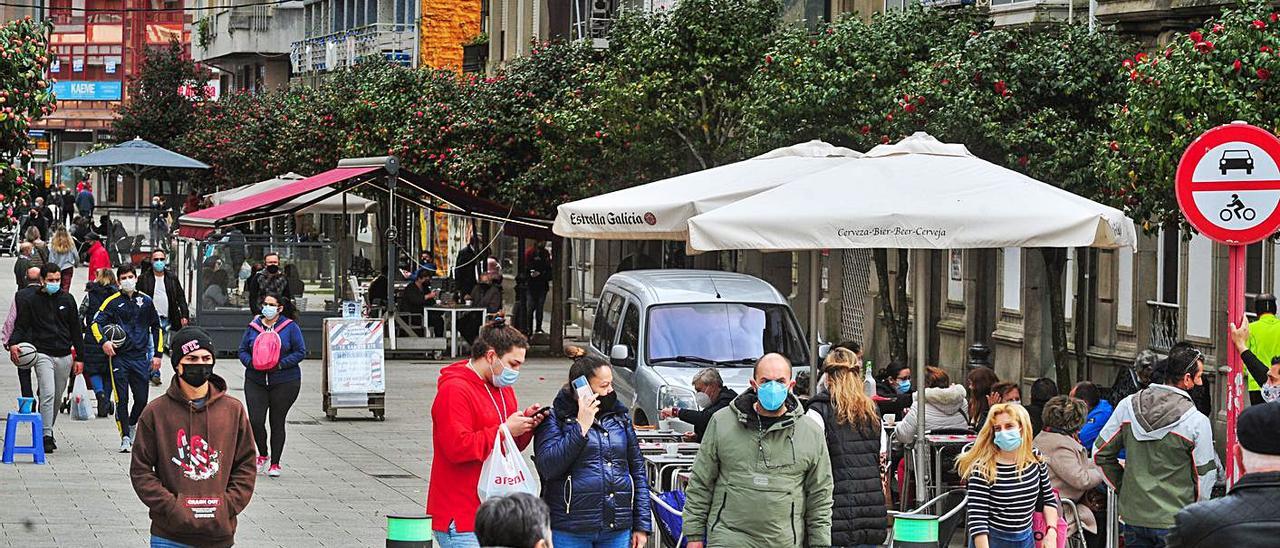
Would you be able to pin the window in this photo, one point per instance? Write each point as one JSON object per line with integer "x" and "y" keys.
{"x": 629, "y": 332}
{"x": 1168, "y": 257}
{"x": 812, "y": 13}
{"x": 1252, "y": 276}
{"x": 606, "y": 324}
{"x": 725, "y": 333}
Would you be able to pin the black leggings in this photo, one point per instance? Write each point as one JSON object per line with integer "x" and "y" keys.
{"x": 24, "y": 382}
{"x": 277, "y": 399}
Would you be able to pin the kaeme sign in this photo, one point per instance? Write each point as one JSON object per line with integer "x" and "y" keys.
{"x": 1228, "y": 184}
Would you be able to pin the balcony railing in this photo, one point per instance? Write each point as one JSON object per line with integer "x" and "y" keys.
{"x": 343, "y": 49}
{"x": 1164, "y": 325}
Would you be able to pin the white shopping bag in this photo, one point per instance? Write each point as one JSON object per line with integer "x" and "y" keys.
{"x": 81, "y": 409}
{"x": 504, "y": 472}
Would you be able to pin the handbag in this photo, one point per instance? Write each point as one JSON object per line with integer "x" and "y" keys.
{"x": 504, "y": 472}
{"x": 1039, "y": 525}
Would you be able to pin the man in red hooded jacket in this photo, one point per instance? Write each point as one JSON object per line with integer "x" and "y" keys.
{"x": 474, "y": 398}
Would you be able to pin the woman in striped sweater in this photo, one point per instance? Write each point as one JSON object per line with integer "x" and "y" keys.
{"x": 1007, "y": 482}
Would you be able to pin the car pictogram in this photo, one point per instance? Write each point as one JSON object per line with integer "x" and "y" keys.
{"x": 1236, "y": 159}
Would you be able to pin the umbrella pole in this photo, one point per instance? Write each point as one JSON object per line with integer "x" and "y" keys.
{"x": 920, "y": 313}
{"x": 815, "y": 281}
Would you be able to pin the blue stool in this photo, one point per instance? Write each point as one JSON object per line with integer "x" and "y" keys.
{"x": 36, "y": 449}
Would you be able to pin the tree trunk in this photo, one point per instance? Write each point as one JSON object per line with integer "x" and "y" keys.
{"x": 1055, "y": 265}
{"x": 895, "y": 317}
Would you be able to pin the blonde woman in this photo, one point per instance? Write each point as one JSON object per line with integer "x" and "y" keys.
{"x": 62, "y": 252}
{"x": 852, "y": 429}
{"x": 1008, "y": 481}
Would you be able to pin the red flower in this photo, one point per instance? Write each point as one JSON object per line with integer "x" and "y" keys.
{"x": 1263, "y": 74}
{"x": 768, "y": 59}
{"x": 1196, "y": 36}
{"x": 1204, "y": 47}
{"x": 866, "y": 129}
{"x": 1001, "y": 88}
{"x": 1022, "y": 160}
{"x": 1217, "y": 27}
{"x": 1127, "y": 63}
{"x": 1259, "y": 24}
{"x": 1274, "y": 17}
{"x": 1168, "y": 52}
{"x": 884, "y": 139}
{"x": 1236, "y": 65}
{"x": 1141, "y": 58}
{"x": 909, "y": 107}
{"x": 1265, "y": 49}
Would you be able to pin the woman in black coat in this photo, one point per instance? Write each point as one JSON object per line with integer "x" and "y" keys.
{"x": 859, "y": 516}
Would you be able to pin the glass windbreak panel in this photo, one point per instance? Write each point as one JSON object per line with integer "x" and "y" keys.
{"x": 702, "y": 334}
{"x": 229, "y": 263}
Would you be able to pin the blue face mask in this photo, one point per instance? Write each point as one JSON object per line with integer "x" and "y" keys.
{"x": 52, "y": 287}
{"x": 269, "y": 311}
{"x": 1008, "y": 440}
{"x": 904, "y": 386}
{"x": 507, "y": 377}
{"x": 158, "y": 265}
{"x": 772, "y": 395}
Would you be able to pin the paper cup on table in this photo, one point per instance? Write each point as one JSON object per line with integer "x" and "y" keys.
{"x": 671, "y": 448}
{"x": 664, "y": 424}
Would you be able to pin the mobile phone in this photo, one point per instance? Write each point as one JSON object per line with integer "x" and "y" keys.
{"x": 580, "y": 385}
{"x": 542, "y": 411}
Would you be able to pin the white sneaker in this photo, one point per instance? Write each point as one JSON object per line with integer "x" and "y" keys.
{"x": 126, "y": 443}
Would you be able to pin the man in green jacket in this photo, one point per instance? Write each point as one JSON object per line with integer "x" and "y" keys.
{"x": 762, "y": 478}
{"x": 1264, "y": 339}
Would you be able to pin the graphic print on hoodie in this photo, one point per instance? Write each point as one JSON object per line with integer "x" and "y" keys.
{"x": 195, "y": 458}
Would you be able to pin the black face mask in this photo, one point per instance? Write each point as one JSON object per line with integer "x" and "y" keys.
{"x": 273, "y": 269}
{"x": 608, "y": 401}
{"x": 196, "y": 375}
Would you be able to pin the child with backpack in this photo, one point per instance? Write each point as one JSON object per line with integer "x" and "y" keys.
{"x": 271, "y": 350}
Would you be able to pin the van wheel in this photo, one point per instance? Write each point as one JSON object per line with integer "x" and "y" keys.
{"x": 639, "y": 418}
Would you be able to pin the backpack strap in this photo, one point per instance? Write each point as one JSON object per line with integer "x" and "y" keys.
{"x": 256, "y": 326}
{"x": 283, "y": 323}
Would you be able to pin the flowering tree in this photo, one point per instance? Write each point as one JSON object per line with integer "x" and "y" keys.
{"x": 157, "y": 110}
{"x": 25, "y": 96}
{"x": 1214, "y": 75}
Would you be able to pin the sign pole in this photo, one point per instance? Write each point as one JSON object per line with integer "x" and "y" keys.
{"x": 1235, "y": 377}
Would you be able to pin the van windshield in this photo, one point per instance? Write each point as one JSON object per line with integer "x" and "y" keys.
{"x": 722, "y": 333}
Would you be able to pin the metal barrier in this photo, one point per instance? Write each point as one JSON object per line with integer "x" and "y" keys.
{"x": 1113, "y": 519}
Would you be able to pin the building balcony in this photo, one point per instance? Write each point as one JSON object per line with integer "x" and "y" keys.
{"x": 393, "y": 42}
{"x": 1164, "y": 326}
{"x": 1157, "y": 15}
{"x": 244, "y": 31}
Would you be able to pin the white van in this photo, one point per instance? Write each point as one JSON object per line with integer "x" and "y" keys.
{"x": 659, "y": 327}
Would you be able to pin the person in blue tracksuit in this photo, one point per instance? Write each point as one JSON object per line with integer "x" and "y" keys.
{"x": 131, "y": 370}
{"x": 273, "y": 390}
{"x": 593, "y": 476}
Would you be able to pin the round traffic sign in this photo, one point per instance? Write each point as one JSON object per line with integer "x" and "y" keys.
{"x": 1228, "y": 183}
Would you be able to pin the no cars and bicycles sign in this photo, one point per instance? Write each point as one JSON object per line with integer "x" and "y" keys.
{"x": 1228, "y": 184}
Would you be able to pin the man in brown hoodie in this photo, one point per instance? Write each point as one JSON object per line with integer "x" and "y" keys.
{"x": 193, "y": 454}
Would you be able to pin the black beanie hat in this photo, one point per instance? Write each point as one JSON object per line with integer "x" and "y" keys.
{"x": 188, "y": 340}
{"x": 1257, "y": 426}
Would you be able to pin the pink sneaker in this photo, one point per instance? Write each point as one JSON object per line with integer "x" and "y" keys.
{"x": 262, "y": 464}
{"x": 274, "y": 471}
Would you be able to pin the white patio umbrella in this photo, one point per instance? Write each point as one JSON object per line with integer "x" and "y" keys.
{"x": 331, "y": 205}
{"x": 916, "y": 194}
{"x": 660, "y": 210}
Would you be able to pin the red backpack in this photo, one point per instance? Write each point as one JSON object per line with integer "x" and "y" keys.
{"x": 266, "y": 347}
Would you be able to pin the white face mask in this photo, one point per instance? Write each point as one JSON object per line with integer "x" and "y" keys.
{"x": 1270, "y": 393}
{"x": 703, "y": 400}
{"x": 129, "y": 285}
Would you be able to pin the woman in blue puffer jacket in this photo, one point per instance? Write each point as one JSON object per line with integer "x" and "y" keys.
{"x": 593, "y": 477}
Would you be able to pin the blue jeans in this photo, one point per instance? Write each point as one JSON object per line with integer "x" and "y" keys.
{"x": 453, "y": 539}
{"x": 1003, "y": 539}
{"x": 1143, "y": 537}
{"x": 599, "y": 539}
{"x": 160, "y": 542}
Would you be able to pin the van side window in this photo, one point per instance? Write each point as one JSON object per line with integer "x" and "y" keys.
{"x": 597, "y": 325}
{"x": 629, "y": 332}
{"x": 607, "y": 322}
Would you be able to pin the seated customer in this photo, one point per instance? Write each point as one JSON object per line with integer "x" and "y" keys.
{"x": 519, "y": 520}
{"x": 1071, "y": 471}
{"x": 419, "y": 295}
{"x": 944, "y": 407}
{"x": 1100, "y": 411}
{"x": 711, "y": 395}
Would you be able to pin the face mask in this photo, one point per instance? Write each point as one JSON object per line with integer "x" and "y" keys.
{"x": 772, "y": 395}
{"x": 703, "y": 400}
{"x": 158, "y": 265}
{"x": 129, "y": 285}
{"x": 608, "y": 401}
{"x": 904, "y": 386}
{"x": 1008, "y": 440}
{"x": 270, "y": 311}
{"x": 507, "y": 377}
{"x": 196, "y": 375}
{"x": 52, "y": 287}
{"x": 1270, "y": 393}
{"x": 273, "y": 269}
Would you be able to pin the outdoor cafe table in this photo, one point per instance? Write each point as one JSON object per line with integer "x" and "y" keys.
{"x": 453, "y": 312}
{"x": 937, "y": 443}
{"x": 660, "y": 436}
{"x": 662, "y": 467}
{"x": 654, "y": 448}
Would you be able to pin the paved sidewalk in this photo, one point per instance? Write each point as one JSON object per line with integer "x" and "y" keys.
{"x": 340, "y": 478}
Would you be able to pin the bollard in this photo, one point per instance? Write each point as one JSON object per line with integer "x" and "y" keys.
{"x": 915, "y": 531}
{"x": 409, "y": 531}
